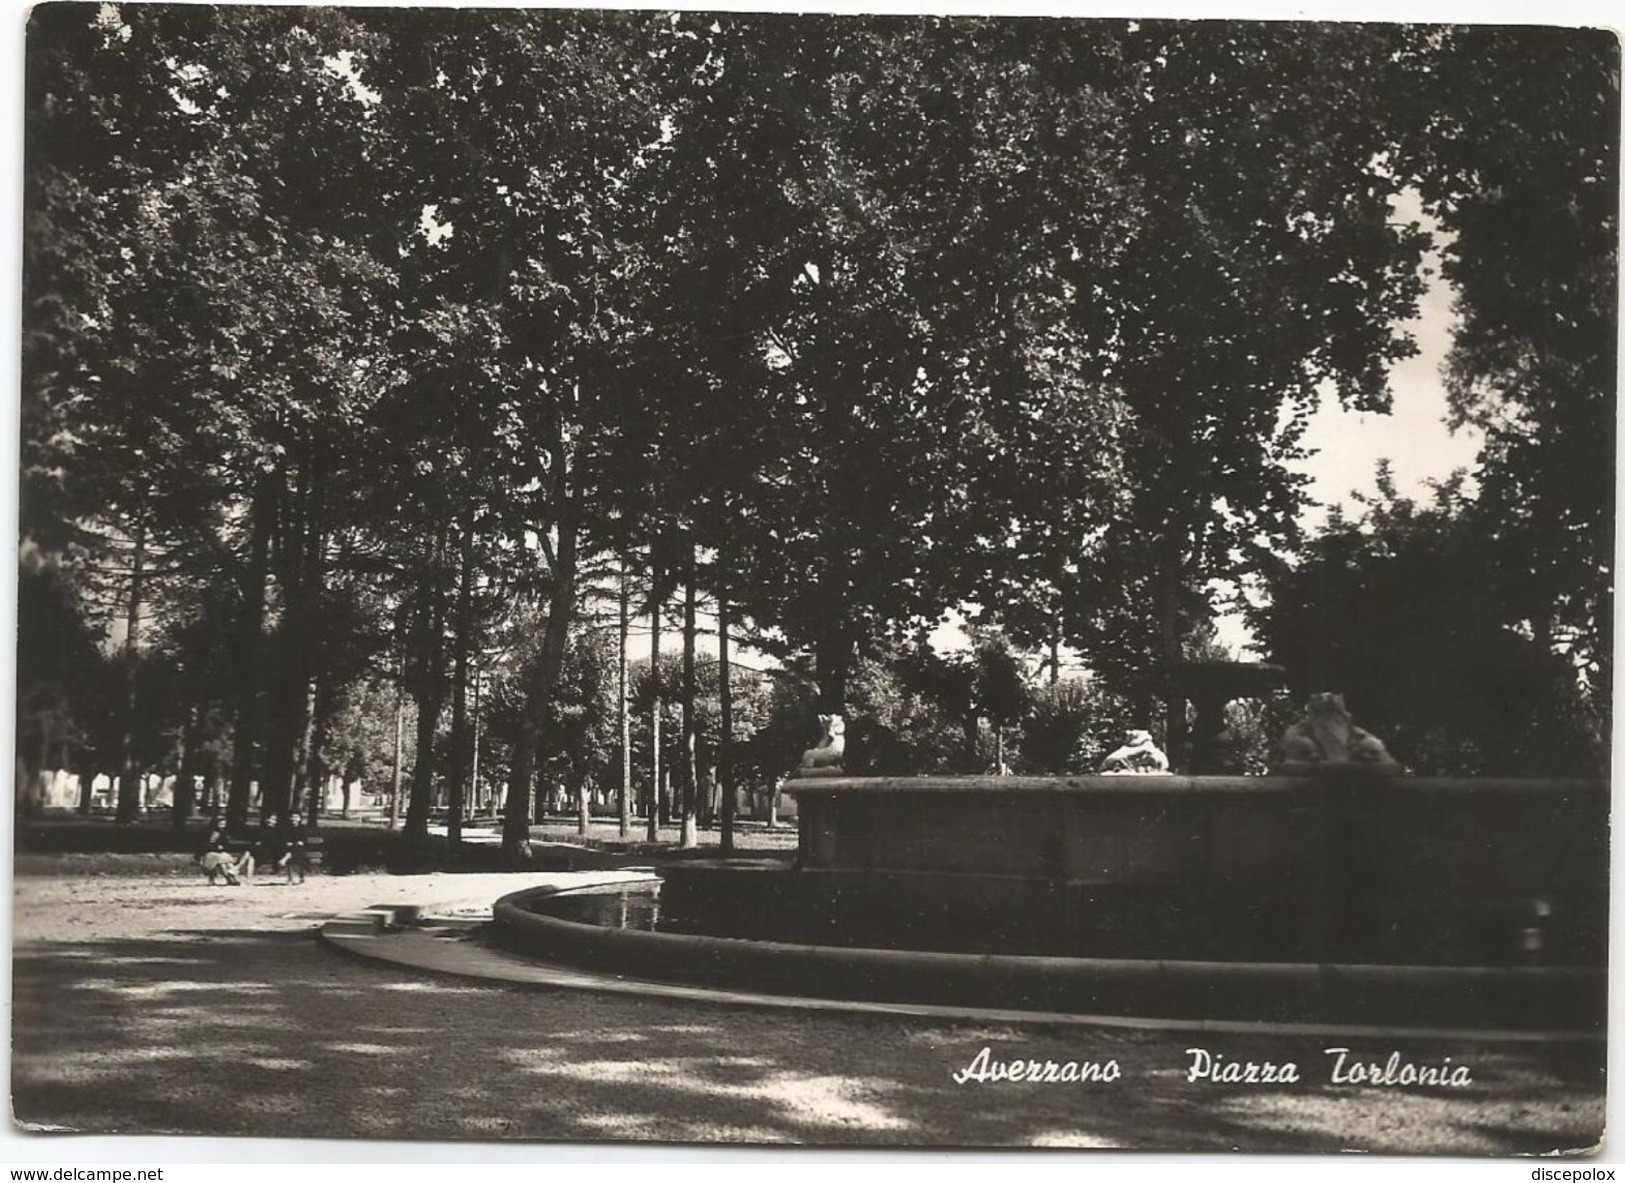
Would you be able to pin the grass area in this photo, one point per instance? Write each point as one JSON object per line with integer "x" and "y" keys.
{"x": 70, "y": 843}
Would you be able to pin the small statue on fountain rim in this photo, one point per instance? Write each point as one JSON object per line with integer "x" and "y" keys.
{"x": 829, "y": 751}
{"x": 1327, "y": 735}
{"x": 1137, "y": 757}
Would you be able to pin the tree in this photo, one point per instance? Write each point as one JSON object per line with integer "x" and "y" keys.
{"x": 1073, "y": 725}
{"x": 1435, "y": 664}
{"x": 1267, "y": 270}
{"x": 1002, "y": 694}
{"x": 623, "y": 707}
{"x": 61, "y": 675}
{"x": 839, "y": 324}
{"x": 525, "y": 133}
{"x": 857, "y": 382}
{"x": 173, "y": 153}
{"x": 1515, "y": 149}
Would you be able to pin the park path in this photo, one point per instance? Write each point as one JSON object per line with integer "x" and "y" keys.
{"x": 165, "y": 1006}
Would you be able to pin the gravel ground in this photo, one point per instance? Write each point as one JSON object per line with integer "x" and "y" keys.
{"x": 161, "y": 1005}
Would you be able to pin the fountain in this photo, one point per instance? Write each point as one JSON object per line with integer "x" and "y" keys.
{"x": 1211, "y": 686}
{"x": 1339, "y": 892}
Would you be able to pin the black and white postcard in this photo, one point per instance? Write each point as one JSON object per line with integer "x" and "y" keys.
{"x": 711, "y": 578}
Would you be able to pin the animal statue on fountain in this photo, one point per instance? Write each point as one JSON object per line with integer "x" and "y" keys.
{"x": 829, "y": 751}
{"x": 1327, "y": 735}
{"x": 1138, "y": 757}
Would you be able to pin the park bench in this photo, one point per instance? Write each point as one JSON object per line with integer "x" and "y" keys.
{"x": 237, "y": 846}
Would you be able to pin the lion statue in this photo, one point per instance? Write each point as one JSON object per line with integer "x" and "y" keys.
{"x": 1138, "y": 756}
{"x": 828, "y": 751}
{"x": 1327, "y": 735}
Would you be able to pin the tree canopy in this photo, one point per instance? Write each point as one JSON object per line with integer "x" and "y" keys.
{"x": 365, "y": 348}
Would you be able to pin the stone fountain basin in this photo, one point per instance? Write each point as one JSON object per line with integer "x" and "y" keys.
{"x": 1340, "y": 865}
{"x": 1564, "y": 1000}
{"x": 1342, "y": 895}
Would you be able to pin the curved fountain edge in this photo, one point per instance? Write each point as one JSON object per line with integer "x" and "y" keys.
{"x": 1289, "y": 779}
{"x": 1567, "y": 998}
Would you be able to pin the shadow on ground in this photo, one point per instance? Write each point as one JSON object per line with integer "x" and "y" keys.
{"x": 248, "y": 1033}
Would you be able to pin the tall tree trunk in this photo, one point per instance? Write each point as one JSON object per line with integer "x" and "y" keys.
{"x": 287, "y": 693}
{"x": 400, "y": 743}
{"x": 539, "y": 692}
{"x": 33, "y": 754}
{"x": 314, "y": 690}
{"x": 459, "y": 688}
{"x": 1056, "y": 625}
{"x": 833, "y": 659}
{"x": 85, "y": 766}
{"x": 431, "y": 683}
{"x": 474, "y": 760}
{"x": 688, "y": 768}
{"x": 129, "y": 786}
{"x": 725, "y": 732}
{"x": 304, "y": 752}
{"x": 516, "y": 834}
{"x": 288, "y": 712}
{"x": 34, "y": 800}
{"x": 316, "y": 770}
{"x": 654, "y": 708}
{"x": 623, "y": 705}
{"x": 184, "y": 799}
{"x": 310, "y": 778}
{"x": 1170, "y": 575}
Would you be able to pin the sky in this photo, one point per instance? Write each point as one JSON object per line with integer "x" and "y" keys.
{"x": 1415, "y": 437}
